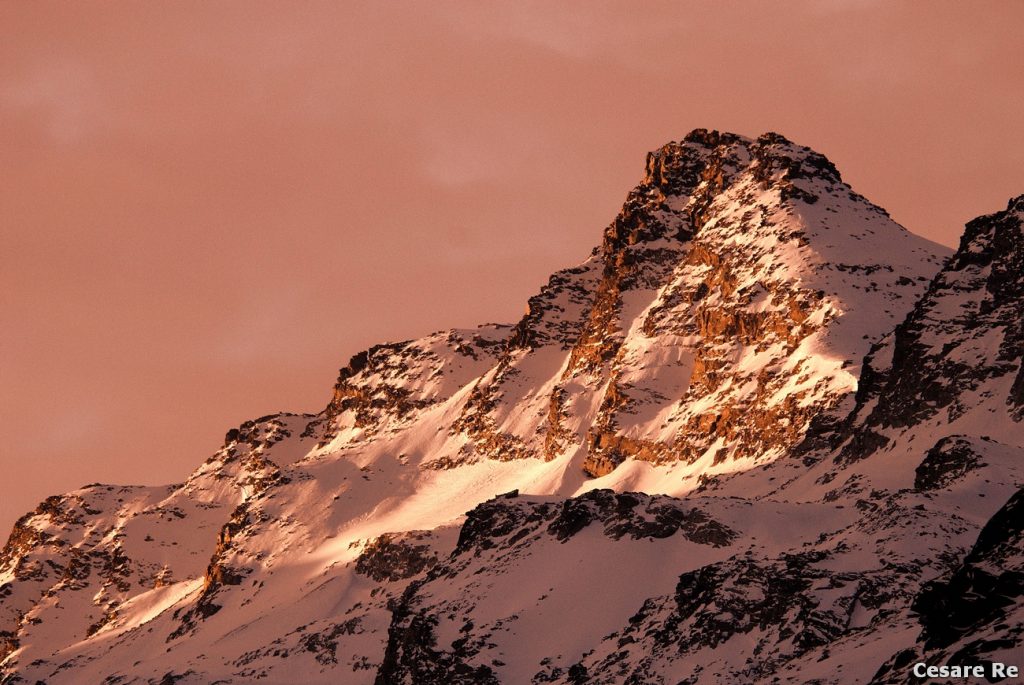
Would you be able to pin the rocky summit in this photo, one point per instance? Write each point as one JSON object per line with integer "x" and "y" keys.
{"x": 761, "y": 434}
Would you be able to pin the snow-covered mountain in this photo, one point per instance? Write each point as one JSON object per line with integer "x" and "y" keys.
{"x": 754, "y": 437}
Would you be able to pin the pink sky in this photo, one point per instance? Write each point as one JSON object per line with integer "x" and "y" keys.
{"x": 207, "y": 208}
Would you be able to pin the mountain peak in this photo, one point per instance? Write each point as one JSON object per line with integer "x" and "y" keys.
{"x": 997, "y": 236}
{"x": 682, "y": 179}
{"x": 708, "y": 156}
{"x": 1016, "y": 205}
{"x": 729, "y": 247}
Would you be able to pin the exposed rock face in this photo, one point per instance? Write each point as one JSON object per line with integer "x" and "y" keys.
{"x": 739, "y": 317}
{"x": 382, "y": 388}
{"x": 630, "y": 514}
{"x": 706, "y": 353}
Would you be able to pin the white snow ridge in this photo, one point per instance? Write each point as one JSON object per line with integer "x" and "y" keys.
{"x": 762, "y": 434}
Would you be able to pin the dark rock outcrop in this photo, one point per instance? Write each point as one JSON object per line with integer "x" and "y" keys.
{"x": 990, "y": 580}
{"x": 394, "y": 557}
{"x": 950, "y": 459}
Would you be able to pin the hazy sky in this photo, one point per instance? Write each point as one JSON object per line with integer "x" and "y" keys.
{"x": 206, "y": 208}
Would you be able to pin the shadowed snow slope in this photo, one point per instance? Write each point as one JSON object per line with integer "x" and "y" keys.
{"x": 739, "y": 443}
